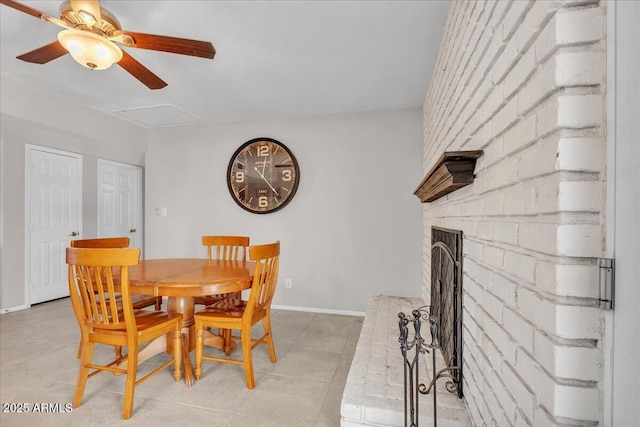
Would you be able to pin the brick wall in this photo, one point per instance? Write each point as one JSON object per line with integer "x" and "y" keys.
{"x": 524, "y": 81}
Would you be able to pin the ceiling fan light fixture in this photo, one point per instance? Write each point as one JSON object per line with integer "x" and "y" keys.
{"x": 89, "y": 49}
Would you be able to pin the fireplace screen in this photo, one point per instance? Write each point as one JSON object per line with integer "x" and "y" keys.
{"x": 446, "y": 299}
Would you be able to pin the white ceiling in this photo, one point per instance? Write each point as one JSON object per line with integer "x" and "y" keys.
{"x": 273, "y": 59}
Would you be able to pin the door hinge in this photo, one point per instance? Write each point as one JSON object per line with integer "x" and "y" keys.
{"x": 607, "y": 282}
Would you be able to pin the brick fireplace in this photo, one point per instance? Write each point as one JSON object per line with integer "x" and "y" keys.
{"x": 523, "y": 81}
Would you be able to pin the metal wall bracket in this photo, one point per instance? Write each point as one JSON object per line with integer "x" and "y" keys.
{"x": 607, "y": 282}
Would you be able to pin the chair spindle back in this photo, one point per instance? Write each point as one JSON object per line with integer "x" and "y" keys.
{"x": 265, "y": 276}
{"x": 226, "y": 247}
{"x": 93, "y": 289}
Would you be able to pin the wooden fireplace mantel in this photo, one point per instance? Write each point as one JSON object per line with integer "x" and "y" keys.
{"x": 453, "y": 170}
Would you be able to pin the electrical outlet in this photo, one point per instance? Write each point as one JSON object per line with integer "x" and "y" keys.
{"x": 288, "y": 283}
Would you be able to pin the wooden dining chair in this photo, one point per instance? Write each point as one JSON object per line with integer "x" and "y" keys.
{"x": 223, "y": 247}
{"x": 138, "y": 301}
{"x": 106, "y": 319}
{"x": 242, "y": 315}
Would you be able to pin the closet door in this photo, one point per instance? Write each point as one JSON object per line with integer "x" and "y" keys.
{"x": 120, "y": 201}
{"x": 54, "y": 216}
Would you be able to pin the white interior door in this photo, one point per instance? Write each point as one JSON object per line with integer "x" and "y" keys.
{"x": 120, "y": 201}
{"x": 54, "y": 216}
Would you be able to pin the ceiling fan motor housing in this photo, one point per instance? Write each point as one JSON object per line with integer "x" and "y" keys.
{"x": 106, "y": 27}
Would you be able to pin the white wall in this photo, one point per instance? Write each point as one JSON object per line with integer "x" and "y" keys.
{"x": 29, "y": 116}
{"x": 623, "y": 114}
{"x": 353, "y": 228}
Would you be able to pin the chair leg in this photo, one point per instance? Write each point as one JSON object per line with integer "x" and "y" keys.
{"x": 83, "y": 372}
{"x": 266, "y": 323}
{"x": 158, "y": 303}
{"x": 79, "y": 346}
{"x": 199, "y": 349}
{"x": 118, "y": 351}
{"x": 177, "y": 354}
{"x": 246, "y": 355}
{"x": 227, "y": 341}
{"x": 132, "y": 367}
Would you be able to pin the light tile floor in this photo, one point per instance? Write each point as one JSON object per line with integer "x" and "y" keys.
{"x": 303, "y": 388}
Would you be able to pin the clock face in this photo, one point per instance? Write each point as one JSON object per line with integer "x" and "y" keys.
{"x": 263, "y": 175}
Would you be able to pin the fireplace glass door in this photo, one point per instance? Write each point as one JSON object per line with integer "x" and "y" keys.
{"x": 446, "y": 299}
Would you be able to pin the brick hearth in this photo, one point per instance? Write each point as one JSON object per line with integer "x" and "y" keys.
{"x": 373, "y": 395}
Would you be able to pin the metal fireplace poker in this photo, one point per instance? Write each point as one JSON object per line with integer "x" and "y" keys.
{"x": 412, "y": 386}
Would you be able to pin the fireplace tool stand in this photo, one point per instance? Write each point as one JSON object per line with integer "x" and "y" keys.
{"x": 412, "y": 386}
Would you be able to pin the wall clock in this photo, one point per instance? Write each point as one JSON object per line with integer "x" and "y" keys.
{"x": 263, "y": 175}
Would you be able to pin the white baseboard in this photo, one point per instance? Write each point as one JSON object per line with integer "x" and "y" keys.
{"x": 16, "y": 308}
{"x": 319, "y": 310}
{"x": 276, "y": 307}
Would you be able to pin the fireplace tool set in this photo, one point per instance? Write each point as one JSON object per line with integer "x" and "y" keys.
{"x": 411, "y": 350}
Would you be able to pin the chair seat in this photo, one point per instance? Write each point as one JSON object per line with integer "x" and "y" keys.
{"x": 226, "y": 304}
{"x": 142, "y": 301}
{"x": 230, "y": 308}
{"x": 138, "y": 301}
{"x": 145, "y": 320}
{"x": 210, "y": 299}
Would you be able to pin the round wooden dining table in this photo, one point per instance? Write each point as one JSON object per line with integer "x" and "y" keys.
{"x": 181, "y": 280}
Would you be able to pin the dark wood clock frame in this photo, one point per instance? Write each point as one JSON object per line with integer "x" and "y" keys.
{"x": 267, "y": 182}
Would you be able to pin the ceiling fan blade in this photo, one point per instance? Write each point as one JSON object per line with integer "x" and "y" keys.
{"x": 140, "y": 72}
{"x": 22, "y": 8}
{"x": 44, "y": 54}
{"x": 173, "y": 45}
{"x": 87, "y": 6}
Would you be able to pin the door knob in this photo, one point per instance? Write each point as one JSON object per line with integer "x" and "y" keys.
{"x": 133, "y": 230}
{"x": 73, "y": 234}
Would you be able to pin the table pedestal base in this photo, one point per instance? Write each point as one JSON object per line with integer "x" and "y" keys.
{"x": 184, "y": 306}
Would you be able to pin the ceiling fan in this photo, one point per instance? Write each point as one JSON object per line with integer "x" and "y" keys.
{"x": 90, "y": 35}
